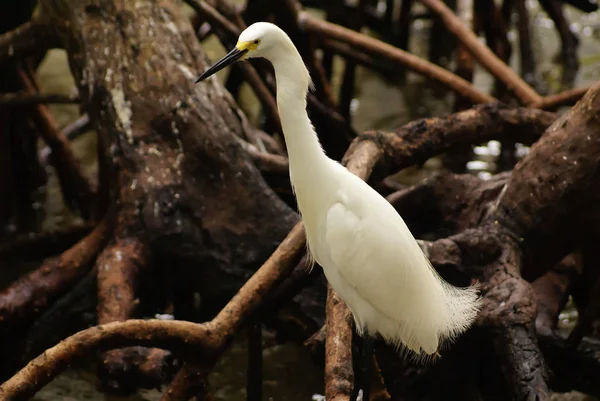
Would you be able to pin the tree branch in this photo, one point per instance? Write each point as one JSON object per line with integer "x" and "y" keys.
{"x": 421, "y": 139}
{"x": 482, "y": 53}
{"x": 180, "y": 336}
{"x": 369, "y": 45}
{"x": 77, "y": 189}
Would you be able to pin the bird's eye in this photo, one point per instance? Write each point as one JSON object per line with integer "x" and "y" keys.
{"x": 256, "y": 41}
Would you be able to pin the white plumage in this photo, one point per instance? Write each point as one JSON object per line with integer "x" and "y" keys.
{"x": 367, "y": 252}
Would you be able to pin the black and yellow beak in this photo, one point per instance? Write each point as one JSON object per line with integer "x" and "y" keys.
{"x": 229, "y": 59}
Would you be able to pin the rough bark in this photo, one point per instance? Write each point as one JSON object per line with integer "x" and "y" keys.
{"x": 181, "y": 182}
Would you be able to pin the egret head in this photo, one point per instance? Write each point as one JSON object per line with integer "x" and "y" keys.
{"x": 260, "y": 39}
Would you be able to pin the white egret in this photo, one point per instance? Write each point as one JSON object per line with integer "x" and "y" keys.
{"x": 367, "y": 252}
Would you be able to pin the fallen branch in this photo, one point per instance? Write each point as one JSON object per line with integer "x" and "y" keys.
{"x": 59, "y": 320}
{"x": 195, "y": 375}
{"x": 573, "y": 365}
{"x": 567, "y": 151}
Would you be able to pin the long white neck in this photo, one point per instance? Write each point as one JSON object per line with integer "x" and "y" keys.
{"x": 305, "y": 153}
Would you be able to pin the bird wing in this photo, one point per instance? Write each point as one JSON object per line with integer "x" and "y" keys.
{"x": 375, "y": 254}
{"x": 367, "y": 253}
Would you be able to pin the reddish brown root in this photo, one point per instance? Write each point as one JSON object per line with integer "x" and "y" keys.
{"x": 119, "y": 266}
{"x": 76, "y": 188}
{"x": 26, "y": 298}
{"x": 339, "y": 375}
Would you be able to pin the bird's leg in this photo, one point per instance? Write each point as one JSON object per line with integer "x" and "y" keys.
{"x": 356, "y": 347}
{"x": 362, "y": 365}
{"x": 367, "y": 362}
